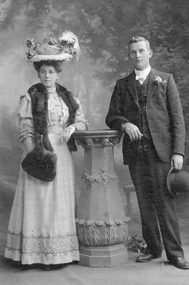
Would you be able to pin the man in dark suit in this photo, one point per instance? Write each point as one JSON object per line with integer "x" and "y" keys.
{"x": 146, "y": 107}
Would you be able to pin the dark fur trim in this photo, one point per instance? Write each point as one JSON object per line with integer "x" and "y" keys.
{"x": 69, "y": 100}
{"x": 72, "y": 105}
{"x": 39, "y": 98}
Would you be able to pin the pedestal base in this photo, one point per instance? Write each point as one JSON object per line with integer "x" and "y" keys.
{"x": 101, "y": 222}
{"x": 108, "y": 256}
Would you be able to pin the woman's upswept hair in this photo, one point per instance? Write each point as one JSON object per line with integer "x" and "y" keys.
{"x": 57, "y": 64}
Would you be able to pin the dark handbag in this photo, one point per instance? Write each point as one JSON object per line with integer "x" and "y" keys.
{"x": 41, "y": 164}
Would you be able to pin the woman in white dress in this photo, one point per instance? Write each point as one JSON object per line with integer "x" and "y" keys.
{"x": 42, "y": 222}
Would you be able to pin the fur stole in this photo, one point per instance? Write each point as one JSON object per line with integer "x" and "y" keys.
{"x": 39, "y": 99}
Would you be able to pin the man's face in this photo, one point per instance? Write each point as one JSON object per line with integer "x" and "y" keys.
{"x": 140, "y": 54}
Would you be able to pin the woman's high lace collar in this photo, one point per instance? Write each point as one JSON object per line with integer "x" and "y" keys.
{"x": 51, "y": 90}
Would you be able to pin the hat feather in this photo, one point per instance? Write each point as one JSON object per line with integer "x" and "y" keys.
{"x": 70, "y": 40}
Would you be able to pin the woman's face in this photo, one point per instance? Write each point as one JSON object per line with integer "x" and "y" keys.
{"x": 48, "y": 75}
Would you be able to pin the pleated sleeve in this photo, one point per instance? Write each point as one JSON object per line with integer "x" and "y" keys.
{"x": 24, "y": 118}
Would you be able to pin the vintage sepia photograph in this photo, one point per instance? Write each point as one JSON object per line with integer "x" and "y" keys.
{"x": 94, "y": 142}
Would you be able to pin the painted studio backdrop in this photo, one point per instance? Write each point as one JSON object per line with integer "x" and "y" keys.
{"x": 103, "y": 28}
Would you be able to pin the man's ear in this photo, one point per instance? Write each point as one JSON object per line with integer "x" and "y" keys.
{"x": 150, "y": 53}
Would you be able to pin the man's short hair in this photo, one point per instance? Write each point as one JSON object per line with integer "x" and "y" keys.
{"x": 139, "y": 39}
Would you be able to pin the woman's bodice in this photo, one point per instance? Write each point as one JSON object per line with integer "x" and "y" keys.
{"x": 58, "y": 114}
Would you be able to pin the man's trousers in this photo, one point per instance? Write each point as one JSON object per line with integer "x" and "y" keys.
{"x": 157, "y": 206}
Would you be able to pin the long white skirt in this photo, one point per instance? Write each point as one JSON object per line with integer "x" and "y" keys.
{"x": 42, "y": 221}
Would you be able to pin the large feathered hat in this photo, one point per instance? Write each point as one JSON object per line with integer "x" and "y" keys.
{"x": 62, "y": 49}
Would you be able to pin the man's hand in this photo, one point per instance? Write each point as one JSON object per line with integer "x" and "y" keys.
{"x": 132, "y": 131}
{"x": 177, "y": 161}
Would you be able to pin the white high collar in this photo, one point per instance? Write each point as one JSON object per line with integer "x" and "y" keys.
{"x": 51, "y": 89}
{"x": 142, "y": 74}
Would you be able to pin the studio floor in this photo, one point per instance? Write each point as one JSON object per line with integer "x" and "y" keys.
{"x": 157, "y": 272}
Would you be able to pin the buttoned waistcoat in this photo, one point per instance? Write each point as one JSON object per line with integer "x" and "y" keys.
{"x": 163, "y": 110}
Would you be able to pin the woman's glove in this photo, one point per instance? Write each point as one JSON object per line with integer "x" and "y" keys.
{"x": 28, "y": 144}
{"x": 68, "y": 132}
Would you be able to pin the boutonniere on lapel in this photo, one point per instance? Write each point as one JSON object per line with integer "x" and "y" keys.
{"x": 158, "y": 80}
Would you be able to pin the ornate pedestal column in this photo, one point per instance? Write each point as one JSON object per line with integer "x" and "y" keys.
{"x": 101, "y": 222}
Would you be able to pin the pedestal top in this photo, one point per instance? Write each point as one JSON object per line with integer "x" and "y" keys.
{"x": 95, "y": 138}
{"x": 107, "y": 133}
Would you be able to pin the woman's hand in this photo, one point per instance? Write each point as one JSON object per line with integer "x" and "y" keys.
{"x": 29, "y": 144}
{"x": 132, "y": 131}
{"x": 68, "y": 132}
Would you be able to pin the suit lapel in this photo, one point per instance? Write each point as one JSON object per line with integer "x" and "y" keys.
{"x": 131, "y": 85}
{"x": 152, "y": 86}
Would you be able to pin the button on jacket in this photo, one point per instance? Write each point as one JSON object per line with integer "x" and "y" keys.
{"x": 163, "y": 111}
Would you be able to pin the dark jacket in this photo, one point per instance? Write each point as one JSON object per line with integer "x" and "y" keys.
{"x": 163, "y": 110}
